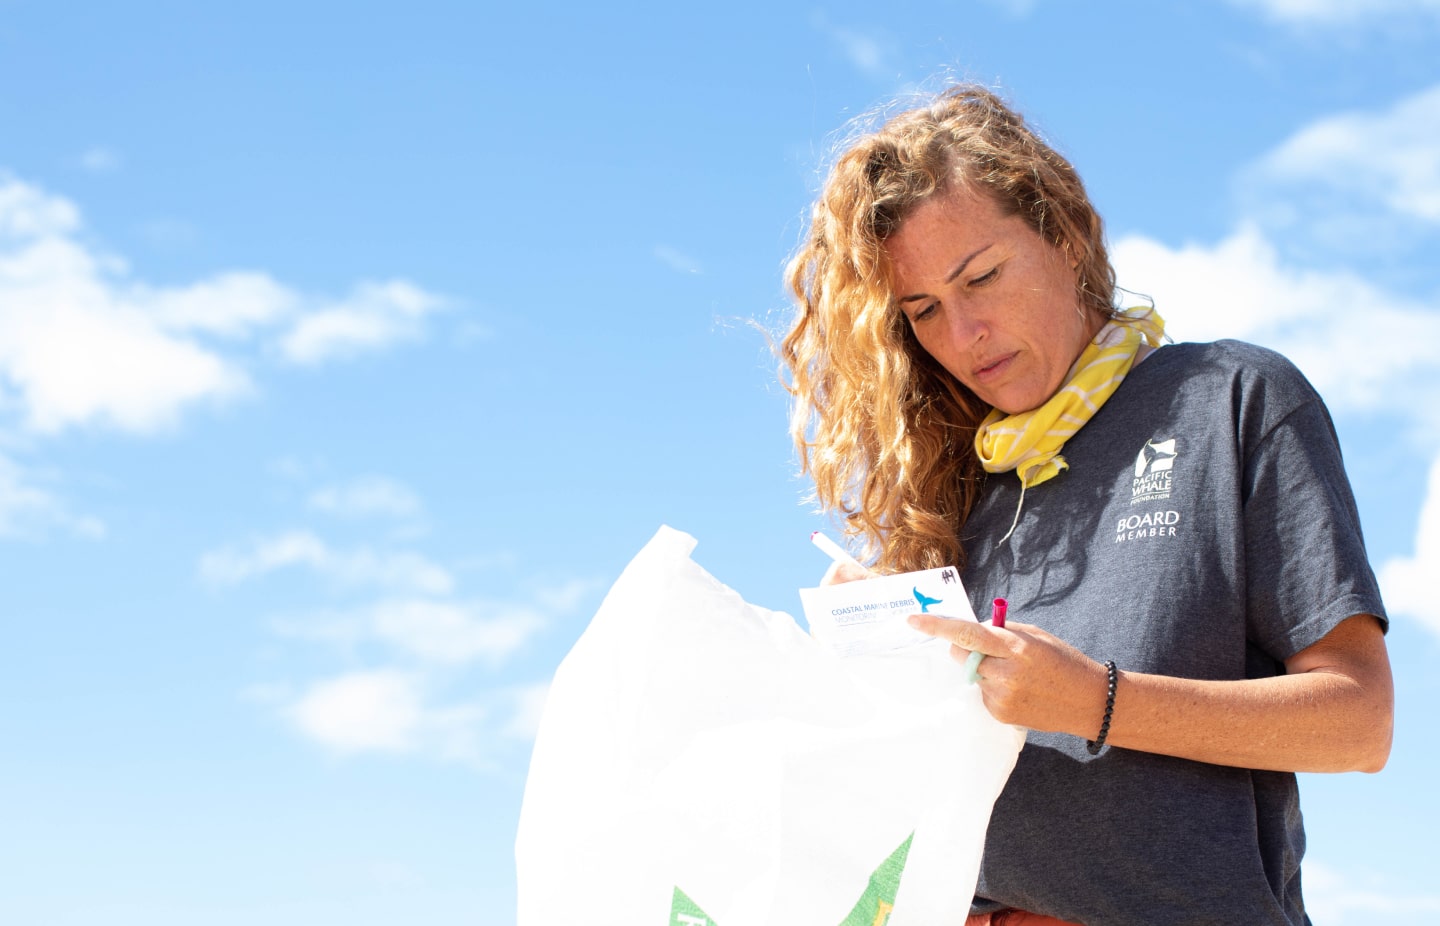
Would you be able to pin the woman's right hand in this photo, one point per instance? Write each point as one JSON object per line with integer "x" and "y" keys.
{"x": 1028, "y": 677}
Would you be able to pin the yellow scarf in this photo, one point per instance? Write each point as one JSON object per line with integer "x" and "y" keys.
{"x": 1030, "y": 442}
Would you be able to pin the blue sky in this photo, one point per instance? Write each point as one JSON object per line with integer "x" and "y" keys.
{"x": 348, "y": 352}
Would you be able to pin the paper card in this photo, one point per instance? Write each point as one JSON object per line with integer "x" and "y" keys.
{"x": 869, "y": 616}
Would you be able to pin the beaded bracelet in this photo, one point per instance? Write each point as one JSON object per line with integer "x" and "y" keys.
{"x": 1114, "y": 676}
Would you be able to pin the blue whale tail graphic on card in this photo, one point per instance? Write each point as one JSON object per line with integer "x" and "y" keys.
{"x": 925, "y": 600}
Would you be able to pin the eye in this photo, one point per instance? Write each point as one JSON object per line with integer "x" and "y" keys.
{"x": 986, "y": 278}
{"x": 924, "y": 313}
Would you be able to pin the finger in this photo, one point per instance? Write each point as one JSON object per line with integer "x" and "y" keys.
{"x": 844, "y": 572}
{"x": 964, "y": 634}
{"x": 972, "y": 664}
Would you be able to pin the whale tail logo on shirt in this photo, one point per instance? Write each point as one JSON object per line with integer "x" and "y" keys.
{"x": 925, "y": 601}
{"x": 1155, "y": 456}
{"x": 1154, "y": 471}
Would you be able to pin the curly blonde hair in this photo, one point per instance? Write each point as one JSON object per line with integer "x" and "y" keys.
{"x": 886, "y": 433}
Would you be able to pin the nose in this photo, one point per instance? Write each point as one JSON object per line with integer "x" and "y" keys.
{"x": 967, "y": 327}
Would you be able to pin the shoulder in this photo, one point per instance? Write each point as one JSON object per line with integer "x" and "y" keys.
{"x": 1241, "y": 371}
{"x": 1239, "y": 387}
{"x": 1231, "y": 359}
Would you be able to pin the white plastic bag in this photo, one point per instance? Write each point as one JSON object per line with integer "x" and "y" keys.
{"x": 704, "y": 761}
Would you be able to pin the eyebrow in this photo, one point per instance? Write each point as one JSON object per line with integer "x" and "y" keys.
{"x": 959, "y": 269}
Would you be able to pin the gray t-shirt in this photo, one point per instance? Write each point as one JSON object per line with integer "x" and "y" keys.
{"x": 1205, "y": 529}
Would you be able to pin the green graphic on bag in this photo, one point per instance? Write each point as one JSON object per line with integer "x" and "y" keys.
{"x": 872, "y": 909}
{"x": 684, "y": 912}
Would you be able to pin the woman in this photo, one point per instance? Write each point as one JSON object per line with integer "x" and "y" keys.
{"x": 1193, "y": 616}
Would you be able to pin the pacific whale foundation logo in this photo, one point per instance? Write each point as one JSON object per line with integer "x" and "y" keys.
{"x": 1154, "y": 468}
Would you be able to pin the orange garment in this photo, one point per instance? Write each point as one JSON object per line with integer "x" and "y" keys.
{"x": 1014, "y": 918}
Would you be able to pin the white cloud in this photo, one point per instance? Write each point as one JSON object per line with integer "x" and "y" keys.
{"x": 82, "y": 343}
{"x": 1390, "y": 158}
{"x": 75, "y": 347}
{"x": 529, "y": 707}
{"x": 405, "y": 709}
{"x": 366, "y": 496}
{"x": 388, "y": 711}
{"x": 566, "y": 596}
{"x": 403, "y": 571}
{"x": 363, "y": 711}
{"x": 1339, "y": 198}
{"x": 231, "y": 305}
{"x": 27, "y": 212}
{"x": 26, "y": 510}
{"x": 1408, "y": 583}
{"x": 75, "y": 356}
{"x": 1342, "y": 897}
{"x": 375, "y": 314}
{"x": 231, "y": 565}
{"x": 1359, "y": 344}
{"x": 397, "y": 710}
{"x": 425, "y": 650}
{"x": 429, "y": 632}
{"x": 1338, "y": 12}
{"x": 419, "y": 658}
{"x": 444, "y": 632}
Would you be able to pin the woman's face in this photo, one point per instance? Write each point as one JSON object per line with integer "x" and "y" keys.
{"x": 994, "y": 303}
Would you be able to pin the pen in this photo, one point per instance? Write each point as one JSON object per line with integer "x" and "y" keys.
{"x": 997, "y": 619}
{"x": 834, "y": 550}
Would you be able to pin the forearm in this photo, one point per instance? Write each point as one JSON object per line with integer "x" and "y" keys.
{"x": 1318, "y": 721}
{"x": 1331, "y": 711}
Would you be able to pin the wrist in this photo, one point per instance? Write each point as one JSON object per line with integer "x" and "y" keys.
{"x": 1112, "y": 680}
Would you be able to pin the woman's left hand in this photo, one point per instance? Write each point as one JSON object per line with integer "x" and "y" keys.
{"x": 1028, "y": 677}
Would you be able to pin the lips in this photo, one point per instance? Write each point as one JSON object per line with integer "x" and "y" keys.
{"x": 993, "y": 367}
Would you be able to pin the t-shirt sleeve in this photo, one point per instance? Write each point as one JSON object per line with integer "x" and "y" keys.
{"x": 1305, "y": 558}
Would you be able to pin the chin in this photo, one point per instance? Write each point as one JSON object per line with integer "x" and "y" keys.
{"x": 1016, "y": 407}
{"x": 1017, "y": 400}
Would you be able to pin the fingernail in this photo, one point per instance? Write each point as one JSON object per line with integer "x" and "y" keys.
{"x": 913, "y": 620}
